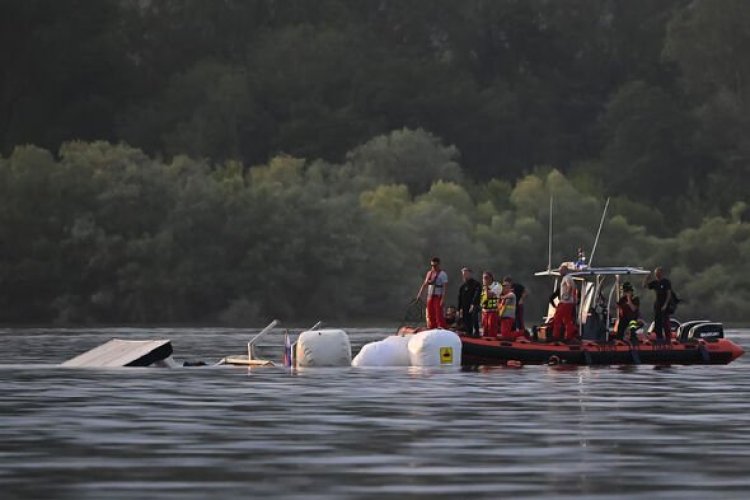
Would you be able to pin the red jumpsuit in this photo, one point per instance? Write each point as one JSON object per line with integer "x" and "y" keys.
{"x": 566, "y": 310}
{"x": 436, "y": 280}
{"x": 506, "y": 328}
{"x": 564, "y": 318}
{"x": 489, "y": 323}
{"x": 434, "y": 312}
{"x": 507, "y": 315}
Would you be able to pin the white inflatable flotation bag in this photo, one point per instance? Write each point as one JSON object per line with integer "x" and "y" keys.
{"x": 323, "y": 348}
{"x": 391, "y": 351}
{"x": 435, "y": 348}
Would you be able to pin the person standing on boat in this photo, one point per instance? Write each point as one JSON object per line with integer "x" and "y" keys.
{"x": 520, "y": 291}
{"x": 663, "y": 288}
{"x": 435, "y": 281}
{"x": 628, "y": 309}
{"x": 489, "y": 302}
{"x": 507, "y": 311}
{"x": 565, "y": 310}
{"x": 469, "y": 296}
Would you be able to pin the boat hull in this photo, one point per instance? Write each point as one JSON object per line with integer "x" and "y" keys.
{"x": 489, "y": 351}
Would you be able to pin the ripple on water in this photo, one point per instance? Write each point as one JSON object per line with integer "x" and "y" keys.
{"x": 342, "y": 433}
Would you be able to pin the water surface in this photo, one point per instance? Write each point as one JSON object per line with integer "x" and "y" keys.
{"x": 228, "y": 432}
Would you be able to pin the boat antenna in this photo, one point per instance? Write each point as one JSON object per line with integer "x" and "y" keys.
{"x": 549, "y": 251}
{"x": 598, "y": 233}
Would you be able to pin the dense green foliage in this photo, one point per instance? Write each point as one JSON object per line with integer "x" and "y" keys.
{"x": 106, "y": 233}
{"x": 382, "y": 132}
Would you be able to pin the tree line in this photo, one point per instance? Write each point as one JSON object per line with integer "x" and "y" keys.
{"x": 106, "y": 233}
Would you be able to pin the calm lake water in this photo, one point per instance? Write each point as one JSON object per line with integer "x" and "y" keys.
{"x": 223, "y": 432}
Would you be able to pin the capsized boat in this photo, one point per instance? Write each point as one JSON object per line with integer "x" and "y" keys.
{"x": 119, "y": 353}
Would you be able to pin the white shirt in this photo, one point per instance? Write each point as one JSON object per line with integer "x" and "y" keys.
{"x": 567, "y": 290}
{"x": 436, "y": 283}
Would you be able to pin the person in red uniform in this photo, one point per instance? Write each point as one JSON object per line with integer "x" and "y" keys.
{"x": 489, "y": 301}
{"x": 507, "y": 311}
{"x": 566, "y": 307}
{"x": 435, "y": 281}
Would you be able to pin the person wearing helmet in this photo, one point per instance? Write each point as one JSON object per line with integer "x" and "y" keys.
{"x": 628, "y": 310}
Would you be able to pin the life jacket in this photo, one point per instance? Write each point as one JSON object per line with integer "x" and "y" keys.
{"x": 489, "y": 299}
{"x": 433, "y": 286}
{"x": 508, "y": 306}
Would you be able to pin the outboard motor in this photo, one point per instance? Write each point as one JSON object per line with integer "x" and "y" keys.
{"x": 710, "y": 332}
{"x": 684, "y": 329}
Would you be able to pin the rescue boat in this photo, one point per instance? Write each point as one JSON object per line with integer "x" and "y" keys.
{"x": 696, "y": 342}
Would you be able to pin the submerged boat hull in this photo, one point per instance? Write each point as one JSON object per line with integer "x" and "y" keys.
{"x": 490, "y": 351}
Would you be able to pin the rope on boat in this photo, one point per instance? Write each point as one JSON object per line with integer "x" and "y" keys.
{"x": 415, "y": 312}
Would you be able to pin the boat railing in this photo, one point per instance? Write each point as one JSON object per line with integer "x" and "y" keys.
{"x": 258, "y": 338}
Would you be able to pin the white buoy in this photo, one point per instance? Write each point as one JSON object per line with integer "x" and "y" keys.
{"x": 435, "y": 348}
{"x": 391, "y": 351}
{"x": 323, "y": 348}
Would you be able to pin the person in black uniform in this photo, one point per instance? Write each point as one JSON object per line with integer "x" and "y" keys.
{"x": 468, "y": 302}
{"x": 663, "y": 288}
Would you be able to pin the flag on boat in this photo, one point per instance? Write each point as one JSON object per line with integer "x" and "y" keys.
{"x": 287, "y": 358}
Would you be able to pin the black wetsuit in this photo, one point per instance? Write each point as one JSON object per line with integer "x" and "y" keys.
{"x": 469, "y": 295}
{"x": 518, "y": 291}
{"x": 661, "y": 317}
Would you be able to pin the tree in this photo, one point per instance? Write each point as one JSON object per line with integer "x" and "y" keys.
{"x": 709, "y": 41}
{"x": 209, "y": 111}
{"x": 648, "y": 152}
{"x": 414, "y": 158}
{"x": 64, "y": 74}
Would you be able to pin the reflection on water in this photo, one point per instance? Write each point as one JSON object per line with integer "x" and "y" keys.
{"x": 347, "y": 433}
